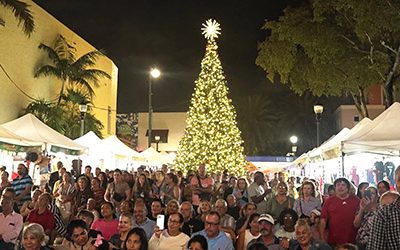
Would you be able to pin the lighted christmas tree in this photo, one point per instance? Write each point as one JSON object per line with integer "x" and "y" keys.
{"x": 211, "y": 135}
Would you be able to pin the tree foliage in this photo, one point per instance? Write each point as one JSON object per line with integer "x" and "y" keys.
{"x": 70, "y": 70}
{"x": 329, "y": 47}
{"x": 22, "y": 13}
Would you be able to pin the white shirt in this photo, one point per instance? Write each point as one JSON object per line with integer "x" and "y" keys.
{"x": 256, "y": 190}
{"x": 168, "y": 242}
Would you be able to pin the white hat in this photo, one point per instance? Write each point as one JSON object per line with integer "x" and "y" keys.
{"x": 266, "y": 217}
{"x": 316, "y": 212}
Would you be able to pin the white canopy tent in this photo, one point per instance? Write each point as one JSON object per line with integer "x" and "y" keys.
{"x": 96, "y": 153}
{"x": 9, "y": 137}
{"x": 32, "y": 128}
{"x": 122, "y": 156}
{"x": 381, "y": 136}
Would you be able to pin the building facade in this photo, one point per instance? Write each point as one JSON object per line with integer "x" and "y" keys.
{"x": 20, "y": 57}
{"x": 170, "y": 126}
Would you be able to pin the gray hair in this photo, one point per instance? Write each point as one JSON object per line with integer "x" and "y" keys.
{"x": 36, "y": 230}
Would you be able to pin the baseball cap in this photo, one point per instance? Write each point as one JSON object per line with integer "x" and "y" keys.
{"x": 316, "y": 212}
{"x": 267, "y": 218}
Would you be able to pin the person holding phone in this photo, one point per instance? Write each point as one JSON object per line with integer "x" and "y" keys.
{"x": 172, "y": 238}
{"x": 365, "y": 216}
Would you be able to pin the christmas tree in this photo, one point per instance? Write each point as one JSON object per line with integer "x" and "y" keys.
{"x": 211, "y": 135}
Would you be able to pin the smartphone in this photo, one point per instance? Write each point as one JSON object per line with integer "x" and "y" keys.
{"x": 160, "y": 221}
{"x": 367, "y": 193}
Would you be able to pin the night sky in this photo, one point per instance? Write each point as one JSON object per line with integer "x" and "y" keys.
{"x": 139, "y": 34}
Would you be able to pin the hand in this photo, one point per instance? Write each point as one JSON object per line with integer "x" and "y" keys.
{"x": 162, "y": 194}
{"x": 365, "y": 201}
{"x": 284, "y": 243}
{"x": 157, "y": 232}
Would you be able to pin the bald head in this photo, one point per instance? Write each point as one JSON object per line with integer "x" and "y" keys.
{"x": 388, "y": 198}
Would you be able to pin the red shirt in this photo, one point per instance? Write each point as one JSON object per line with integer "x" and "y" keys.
{"x": 340, "y": 215}
{"x": 45, "y": 219}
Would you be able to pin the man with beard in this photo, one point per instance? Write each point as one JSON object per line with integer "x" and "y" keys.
{"x": 266, "y": 224}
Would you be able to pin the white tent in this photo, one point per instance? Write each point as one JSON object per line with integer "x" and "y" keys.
{"x": 334, "y": 148}
{"x": 89, "y": 140}
{"x": 381, "y": 136}
{"x": 32, "y": 128}
{"x": 9, "y": 137}
{"x": 151, "y": 155}
{"x": 114, "y": 145}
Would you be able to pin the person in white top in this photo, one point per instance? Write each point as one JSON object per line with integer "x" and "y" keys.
{"x": 172, "y": 238}
{"x": 252, "y": 232}
{"x": 257, "y": 193}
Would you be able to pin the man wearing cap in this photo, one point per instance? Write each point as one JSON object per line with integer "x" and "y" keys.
{"x": 216, "y": 238}
{"x": 266, "y": 224}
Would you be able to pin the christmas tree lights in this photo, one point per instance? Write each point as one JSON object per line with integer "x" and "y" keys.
{"x": 211, "y": 135}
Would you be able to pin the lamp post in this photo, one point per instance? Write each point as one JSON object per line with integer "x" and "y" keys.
{"x": 318, "y": 109}
{"x": 293, "y": 139}
{"x": 157, "y": 138}
{"x": 83, "y": 110}
{"x": 154, "y": 73}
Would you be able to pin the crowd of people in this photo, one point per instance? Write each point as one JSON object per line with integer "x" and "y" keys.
{"x": 166, "y": 209}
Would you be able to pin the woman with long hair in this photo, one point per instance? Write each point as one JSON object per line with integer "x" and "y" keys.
{"x": 361, "y": 189}
{"x": 136, "y": 240}
{"x": 307, "y": 200}
{"x": 142, "y": 188}
{"x": 65, "y": 196}
{"x": 240, "y": 192}
{"x": 280, "y": 201}
{"x": 365, "y": 216}
{"x": 252, "y": 232}
{"x": 171, "y": 190}
{"x": 83, "y": 193}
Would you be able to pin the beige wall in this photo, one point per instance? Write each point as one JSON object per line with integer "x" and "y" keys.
{"x": 345, "y": 115}
{"x": 20, "y": 57}
{"x": 174, "y": 122}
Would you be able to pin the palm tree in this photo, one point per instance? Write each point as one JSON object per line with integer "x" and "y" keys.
{"x": 255, "y": 120}
{"x": 22, "y": 13}
{"x": 65, "y": 118}
{"x": 71, "y": 71}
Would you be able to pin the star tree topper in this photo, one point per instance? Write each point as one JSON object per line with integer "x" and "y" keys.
{"x": 211, "y": 29}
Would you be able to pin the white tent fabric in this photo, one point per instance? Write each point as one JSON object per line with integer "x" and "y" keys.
{"x": 151, "y": 155}
{"x": 9, "y": 137}
{"x": 381, "y": 136}
{"x": 89, "y": 139}
{"x": 30, "y": 127}
{"x": 114, "y": 145}
{"x": 334, "y": 149}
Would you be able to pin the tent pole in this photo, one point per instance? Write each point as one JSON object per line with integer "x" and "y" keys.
{"x": 343, "y": 164}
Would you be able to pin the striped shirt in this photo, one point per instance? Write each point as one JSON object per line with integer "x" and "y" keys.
{"x": 19, "y": 184}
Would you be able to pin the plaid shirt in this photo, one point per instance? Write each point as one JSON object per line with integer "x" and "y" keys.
{"x": 385, "y": 232}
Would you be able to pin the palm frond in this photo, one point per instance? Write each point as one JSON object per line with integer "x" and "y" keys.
{"x": 23, "y": 14}
{"x": 2, "y": 22}
{"x": 52, "y": 54}
{"x": 64, "y": 50}
{"x": 88, "y": 59}
{"x": 48, "y": 70}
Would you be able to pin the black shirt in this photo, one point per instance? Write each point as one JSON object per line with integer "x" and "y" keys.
{"x": 192, "y": 226}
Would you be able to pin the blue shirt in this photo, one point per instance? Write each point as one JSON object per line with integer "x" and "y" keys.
{"x": 221, "y": 242}
{"x": 148, "y": 226}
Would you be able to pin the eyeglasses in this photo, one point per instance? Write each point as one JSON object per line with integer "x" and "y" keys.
{"x": 174, "y": 222}
{"x": 212, "y": 223}
{"x": 79, "y": 234}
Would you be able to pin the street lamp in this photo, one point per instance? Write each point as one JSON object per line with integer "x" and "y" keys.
{"x": 293, "y": 139}
{"x": 157, "y": 138}
{"x": 154, "y": 73}
{"x": 318, "y": 109}
{"x": 83, "y": 110}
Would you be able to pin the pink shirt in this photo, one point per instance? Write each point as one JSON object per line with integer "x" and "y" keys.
{"x": 107, "y": 228}
{"x": 11, "y": 226}
{"x": 204, "y": 183}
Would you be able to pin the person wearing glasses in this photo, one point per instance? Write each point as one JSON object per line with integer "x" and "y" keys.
{"x": 216, "y": 238}
{"x": 172, "y": 238}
